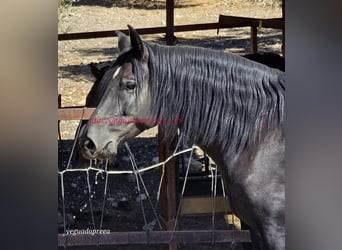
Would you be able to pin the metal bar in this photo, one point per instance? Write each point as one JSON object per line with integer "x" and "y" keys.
{"x": 200, "y": 26}
{"x": 168, "y": 198}
{"x": 142, "y": 31}
{"x": 273, "y": 23}
{"x": 283, "y": 43}
{"x": 72, "y": 113}
{"x": 234, "y": 21}
{"x": 59, "y": 100}
{"x": 154, "y": 237}
{"x": 224, "y": 22}
{"x": 283, "y": 30}
{"x": 169, "y": 191}
{"x": 254, "y": 40}
{"x": 170, "y": 37}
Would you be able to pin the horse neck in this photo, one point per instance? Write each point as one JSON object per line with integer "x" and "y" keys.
{"x": 214, "y": 94}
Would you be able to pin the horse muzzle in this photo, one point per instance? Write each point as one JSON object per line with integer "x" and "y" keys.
{"x": 91, "y": 151}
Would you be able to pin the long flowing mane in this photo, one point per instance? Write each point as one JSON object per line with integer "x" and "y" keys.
{"x": 222, "y": 97}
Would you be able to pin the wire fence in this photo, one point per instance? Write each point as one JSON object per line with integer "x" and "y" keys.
{"x": 149, "y": 226}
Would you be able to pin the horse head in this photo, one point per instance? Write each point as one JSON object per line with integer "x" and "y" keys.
{"x": 125, "y": 98}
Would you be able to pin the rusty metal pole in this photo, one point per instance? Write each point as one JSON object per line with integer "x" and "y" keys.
{"x": 169, "y": 188}
{"x": 283, "y": 31}
{"x": 254, "y": 40}
{"x": 170, "y": 26}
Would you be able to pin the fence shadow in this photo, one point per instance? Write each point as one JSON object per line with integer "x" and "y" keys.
{"x": 136, "y": 4}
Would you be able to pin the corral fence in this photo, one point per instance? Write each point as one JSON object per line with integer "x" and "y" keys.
{"x": 224, "y": 21}
{"x": 168, "y": 197}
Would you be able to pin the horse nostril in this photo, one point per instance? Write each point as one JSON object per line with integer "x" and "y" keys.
{"x": 89, "y": 145}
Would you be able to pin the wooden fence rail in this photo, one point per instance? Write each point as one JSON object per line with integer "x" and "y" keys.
{"x": 154, "y": 237}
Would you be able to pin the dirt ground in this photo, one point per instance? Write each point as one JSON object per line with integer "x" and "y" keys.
{"x": 122, "y": 211}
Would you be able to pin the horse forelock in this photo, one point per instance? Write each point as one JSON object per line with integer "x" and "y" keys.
{"x": 116, "y": 68}
{"x": 221, "y": 97}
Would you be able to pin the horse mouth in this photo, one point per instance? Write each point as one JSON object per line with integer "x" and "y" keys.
{"x": 100, "y": 156}
{"x": 109, "y": 151}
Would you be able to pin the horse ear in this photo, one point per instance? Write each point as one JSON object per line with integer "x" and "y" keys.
{"x": 136, "y": 42}
{"x": 123, "y": 41}
{"x": 98, "y": 72}
{"x": 95, "y": 71}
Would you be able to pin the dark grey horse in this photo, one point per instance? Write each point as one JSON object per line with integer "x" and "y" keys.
{"x": 92, "y": 100}
{"x": 232, "y": 107}
{"x": 94, "y": 96}
{"x": 270, "y": 59}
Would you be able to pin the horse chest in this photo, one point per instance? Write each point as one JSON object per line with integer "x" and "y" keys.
{"x": 255, "y": 182}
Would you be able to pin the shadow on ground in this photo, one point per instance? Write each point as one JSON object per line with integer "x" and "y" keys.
{"x": 136, "y": 4}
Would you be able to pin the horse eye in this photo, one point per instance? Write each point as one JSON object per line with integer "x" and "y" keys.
{"x": 130, "y": 85}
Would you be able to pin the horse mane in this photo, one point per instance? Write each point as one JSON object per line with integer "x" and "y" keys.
{"x": 221, "y": 97}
